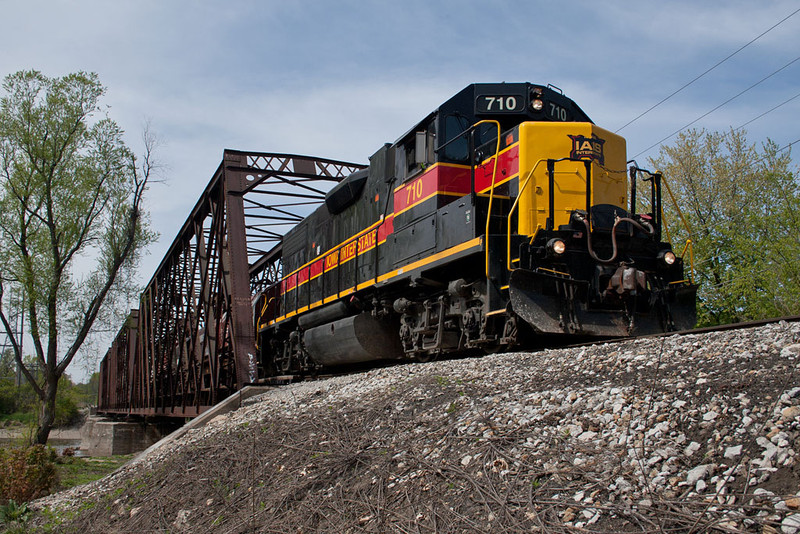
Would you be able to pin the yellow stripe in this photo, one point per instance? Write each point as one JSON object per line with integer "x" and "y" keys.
{"x": 477, "y": 242}
{"x": 366, "y": 284}
{"x": 430, "y": 259}
{"x": 420, "y": 201}
{"x": 342, "y": 243}
{"x": 554, "y": 271}
{"x": 483, "y": 192}
{"x": 497, "y": 184}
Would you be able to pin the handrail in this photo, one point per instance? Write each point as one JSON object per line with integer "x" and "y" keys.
{"x": 689, "y": 243}
{"x": 662, "y": 181}
{"x": 514, "y": 207}
{"x": 491, "y": 191}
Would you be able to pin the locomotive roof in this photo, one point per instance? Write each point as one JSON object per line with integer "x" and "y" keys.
{"x": 480, "y": 101}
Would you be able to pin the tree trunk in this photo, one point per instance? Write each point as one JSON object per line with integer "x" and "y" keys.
{"x": 48, "y": 413}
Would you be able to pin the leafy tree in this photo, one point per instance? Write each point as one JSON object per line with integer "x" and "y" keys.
{"x": 742, "y": 206}
{"x": 70, "y": 190}
{"x": 17, "y": 400}
{"x": 87, "y": 393}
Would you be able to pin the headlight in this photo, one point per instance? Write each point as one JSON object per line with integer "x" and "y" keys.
{"x": 537, "y": 105}
{"x": 667, "y": 256}
{"x": 556, "y": 246}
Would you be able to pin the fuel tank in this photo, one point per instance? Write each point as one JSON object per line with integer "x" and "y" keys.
{"x": 360, "y": 338}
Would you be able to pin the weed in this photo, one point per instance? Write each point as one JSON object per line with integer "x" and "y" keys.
{"x": 14, "y": 513}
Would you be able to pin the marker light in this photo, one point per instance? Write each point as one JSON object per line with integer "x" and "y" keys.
{"x": 667, "y": 256}
{"x": 556, "y": 246}
{"x": 537, "y": 105}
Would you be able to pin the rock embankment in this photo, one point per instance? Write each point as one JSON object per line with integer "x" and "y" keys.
{"x": 683, "y": 433}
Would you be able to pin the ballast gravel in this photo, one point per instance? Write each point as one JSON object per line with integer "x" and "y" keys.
{"x": 679, "y": 433}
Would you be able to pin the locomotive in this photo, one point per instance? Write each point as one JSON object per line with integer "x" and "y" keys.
{"x": 503, "y": 219}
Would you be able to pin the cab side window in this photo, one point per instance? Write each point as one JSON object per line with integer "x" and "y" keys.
{"x": 416, "y": 152}
{"x": 456, "y": 143}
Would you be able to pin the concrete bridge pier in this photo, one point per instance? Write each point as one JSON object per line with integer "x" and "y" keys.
{"x": 102, "y": 436}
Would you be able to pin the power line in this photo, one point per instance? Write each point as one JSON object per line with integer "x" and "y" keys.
{"x": 768, "y": 112}
{"x": 779, "y": 150}
{"x": 707, "y": 71}
{"x": 762, "y": 80}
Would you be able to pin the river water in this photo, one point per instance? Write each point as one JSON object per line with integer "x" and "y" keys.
{"x": 59, "y": 440}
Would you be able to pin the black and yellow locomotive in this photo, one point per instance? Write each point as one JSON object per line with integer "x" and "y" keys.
{"x": 504, "y": 218}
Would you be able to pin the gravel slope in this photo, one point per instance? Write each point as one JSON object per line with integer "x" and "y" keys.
{"x": 679, "y": 434}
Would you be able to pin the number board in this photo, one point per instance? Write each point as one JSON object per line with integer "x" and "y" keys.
{"x": 500, "y": 103}
{"x": 556, "y": 112}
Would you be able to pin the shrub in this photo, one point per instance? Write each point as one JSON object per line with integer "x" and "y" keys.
{"x": 27, "y": 473}
{"x": 67, "y": 412}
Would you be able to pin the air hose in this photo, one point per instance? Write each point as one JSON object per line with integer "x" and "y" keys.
{"x": 644, "y": 227}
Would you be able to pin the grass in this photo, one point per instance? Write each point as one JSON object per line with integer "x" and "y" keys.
{"x": 74, "y": 471}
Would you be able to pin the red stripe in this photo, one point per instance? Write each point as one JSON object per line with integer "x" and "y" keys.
{"x": 315, "y": 269}
{"x": 439, "y": 179}
{"x": 385, "y": 229}
{"x": 507, "y": 166}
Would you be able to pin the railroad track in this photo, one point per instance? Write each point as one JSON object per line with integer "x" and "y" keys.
{"x": 287, "y": 379}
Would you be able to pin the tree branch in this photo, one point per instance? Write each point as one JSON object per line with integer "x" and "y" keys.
{"x": 16, "y": 346}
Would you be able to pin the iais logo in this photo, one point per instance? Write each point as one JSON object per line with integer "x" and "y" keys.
{"x": 587, "y": 147}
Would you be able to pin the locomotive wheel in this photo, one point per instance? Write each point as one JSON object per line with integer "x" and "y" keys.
{"x": 425, "y": 357}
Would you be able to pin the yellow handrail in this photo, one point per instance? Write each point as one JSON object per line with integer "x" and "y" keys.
{"x": 513, "y": 208}
{"x": 689, "y": 244}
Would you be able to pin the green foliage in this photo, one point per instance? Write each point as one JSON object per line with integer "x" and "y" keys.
{"x": 11, "y": 512}
{"x": 27, "y": 473}
{"x": 69, "y": 188}
{"x": 22, "y": 418}
{"x": 742, "y": 206}
{"x": 68, "y": 401}
{"x": 16, "y": 400}
{"x": 87, "y": 393}
{"x": 74, "y": 471}
{"x": 20, "y": 404}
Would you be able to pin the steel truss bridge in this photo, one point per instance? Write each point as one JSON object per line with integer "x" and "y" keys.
{"x": 191, "y": 343}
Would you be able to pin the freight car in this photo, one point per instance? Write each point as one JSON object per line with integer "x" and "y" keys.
{"x": 504, "y": 218}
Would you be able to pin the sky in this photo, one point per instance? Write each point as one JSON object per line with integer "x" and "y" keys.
{"x": 337, "y": 79}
